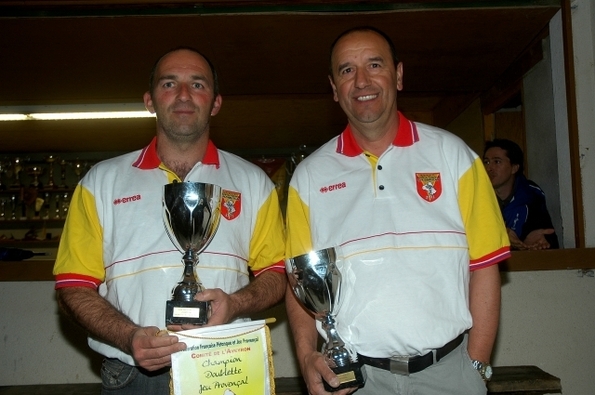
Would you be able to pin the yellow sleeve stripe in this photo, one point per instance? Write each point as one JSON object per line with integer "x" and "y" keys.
{"x": 299, "y": 240}
{"x": 482, "y": 219}
{"x": 81, "y": 246}
{"x": 267, "y": 246}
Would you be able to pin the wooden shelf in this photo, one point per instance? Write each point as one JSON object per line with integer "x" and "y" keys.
{"x": 27, "y": 270}
{"x": 30, "y": 244}
{"x": 31, "y": 223}
{"x": 563, "y": 259}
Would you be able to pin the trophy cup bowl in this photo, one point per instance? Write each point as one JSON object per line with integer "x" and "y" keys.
{"x": 316, "y": 282}
{"x": 191, "y": 214}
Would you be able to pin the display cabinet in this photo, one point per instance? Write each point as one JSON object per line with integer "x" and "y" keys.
{"x": 35, "y": 193}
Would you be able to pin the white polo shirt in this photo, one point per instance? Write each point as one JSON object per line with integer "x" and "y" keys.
{"x": 410, "y": 225}
{"x": 114, "y": 237}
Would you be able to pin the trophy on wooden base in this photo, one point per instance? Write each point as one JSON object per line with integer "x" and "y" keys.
{"x": 316, "y": 282}
{"x": 191, "y": 213}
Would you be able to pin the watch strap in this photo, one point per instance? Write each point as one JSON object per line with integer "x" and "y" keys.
{"x": 484, "y": 369}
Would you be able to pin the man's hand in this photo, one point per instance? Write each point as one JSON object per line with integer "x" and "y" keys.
{"x": 536, "y": 239}
{"x": 314, "y": 370}
{"x": 261, "y": 293}
{"x": 222, "y": 308}
{"x": 515, "y": 242}
{"x": 152, "y": 349}
{"x": 103, "y": 321}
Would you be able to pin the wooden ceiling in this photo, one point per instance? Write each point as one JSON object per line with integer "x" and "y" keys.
{"x": 272, "y": 59}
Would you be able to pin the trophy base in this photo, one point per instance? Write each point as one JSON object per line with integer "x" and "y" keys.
{"x": 350, "y": 376}
{"x": 182, "y": 312}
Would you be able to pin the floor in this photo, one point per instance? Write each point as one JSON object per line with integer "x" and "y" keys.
{"x": 284, "y": 386}
{"x": 507, "y": 380}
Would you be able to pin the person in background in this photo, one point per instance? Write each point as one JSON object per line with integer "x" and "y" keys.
{"x": 521, "y": 201}
{"x": 116, "y": 265}
{"x": 416, "y": 219}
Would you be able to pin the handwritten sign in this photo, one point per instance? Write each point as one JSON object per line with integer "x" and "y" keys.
{"x": 233, "y": 359}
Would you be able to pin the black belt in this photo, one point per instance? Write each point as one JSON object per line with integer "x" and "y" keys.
{"x": 409, "y": 365}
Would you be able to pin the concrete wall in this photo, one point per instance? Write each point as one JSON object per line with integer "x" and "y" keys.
{"x": 547, "y": 320}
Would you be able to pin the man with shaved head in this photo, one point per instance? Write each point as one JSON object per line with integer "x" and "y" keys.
{"x": 116, "y": 266}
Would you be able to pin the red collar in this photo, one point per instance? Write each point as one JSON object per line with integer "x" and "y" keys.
{"x": 406, "y": 135}
{"x": 148, "y": 158}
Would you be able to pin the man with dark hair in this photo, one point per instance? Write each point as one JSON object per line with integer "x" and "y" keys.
{"x": 521, "y": 201}
{"x": 116, "y": 265}
{"x": 413, "y": 213}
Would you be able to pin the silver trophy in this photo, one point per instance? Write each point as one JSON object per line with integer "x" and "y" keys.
{"x": 316, "y": 282}
{"x": 191, "y": 213}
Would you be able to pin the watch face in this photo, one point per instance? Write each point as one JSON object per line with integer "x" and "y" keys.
{"x": 488, "y": 372}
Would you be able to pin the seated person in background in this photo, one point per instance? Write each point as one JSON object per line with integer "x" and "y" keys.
{"x": 521, "y": 201}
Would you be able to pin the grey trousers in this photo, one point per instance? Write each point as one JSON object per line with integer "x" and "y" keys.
{"x": 452, "y": 375}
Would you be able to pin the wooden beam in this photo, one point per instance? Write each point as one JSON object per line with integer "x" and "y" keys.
{"x": 511, "y": 81}
{"x": 85, "y": 8}
{"x": 563, "y": 259}
{"x": 575, "y": 170}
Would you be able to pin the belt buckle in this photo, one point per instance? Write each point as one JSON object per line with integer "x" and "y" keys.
{"x": 399, "y": 365}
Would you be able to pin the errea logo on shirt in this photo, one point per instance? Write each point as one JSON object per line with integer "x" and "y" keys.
{"x": 333, "y": 187}
{"x": 126, "y": 199}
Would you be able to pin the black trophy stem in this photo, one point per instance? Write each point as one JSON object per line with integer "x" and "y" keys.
{"x": 189, "y": 286}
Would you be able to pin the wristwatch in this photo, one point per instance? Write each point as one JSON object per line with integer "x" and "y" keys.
{"x": 484, "y": 369}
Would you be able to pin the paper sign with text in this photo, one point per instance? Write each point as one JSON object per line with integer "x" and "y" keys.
{"x": 232, "y": 359}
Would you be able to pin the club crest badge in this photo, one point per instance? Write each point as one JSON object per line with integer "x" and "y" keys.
{"x": 231, "y": 204}
{"x": 429, "y": 186}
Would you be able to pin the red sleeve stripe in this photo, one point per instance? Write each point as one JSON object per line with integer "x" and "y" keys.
{"x": 278, "y": 267}
{"x": 490, "y": 259}
{"x": 76, "y": 280}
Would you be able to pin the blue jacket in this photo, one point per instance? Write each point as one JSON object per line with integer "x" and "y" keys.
{"x": 526, "y": 210}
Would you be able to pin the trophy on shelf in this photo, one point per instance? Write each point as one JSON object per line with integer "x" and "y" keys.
{"x": 46, "y": 206}
{"x": 57, "y": 208}
{"x": 78, "y": 169}
{"x": 63, "y": 164}
{"x": 191, "y": 214}
{"x": 65, "y": 204}
{"x": 296, "y": 159}
{"x": 17, "y": 166}
{"x": 3, "y": 169}
{"x": 13, "y": 207}
{"x": 50, "y": 159}
{"x": 35, "y": 171}
{"x": 316, "y": 282}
